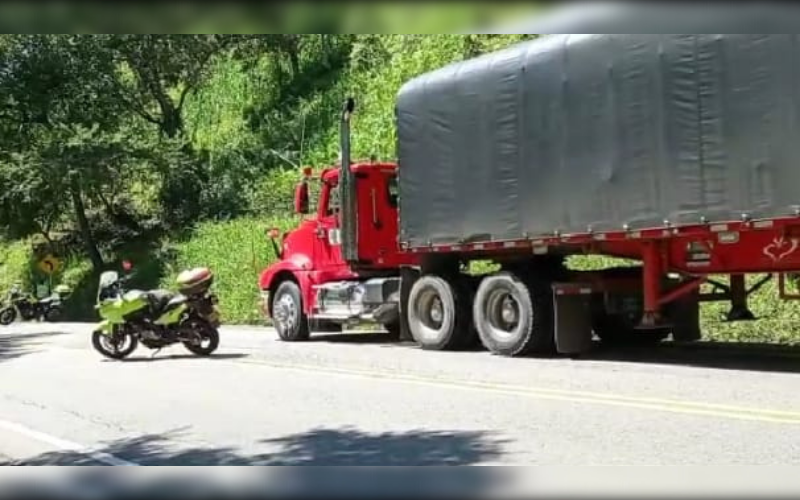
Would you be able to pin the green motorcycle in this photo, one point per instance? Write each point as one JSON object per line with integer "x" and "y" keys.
{"x": 157, "y": 318}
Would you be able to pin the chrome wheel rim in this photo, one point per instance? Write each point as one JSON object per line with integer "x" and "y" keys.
{"x": 116, "y": 344}
{"x": 431, "y": 310}
{"x": 503, "y": 314}
{"x": 285, "y": 313}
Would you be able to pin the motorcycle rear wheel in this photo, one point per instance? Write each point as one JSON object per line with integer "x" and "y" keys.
{"x": 118, "y": 346}
{"x": 207, "y": 340}
{"x": 7, "y": 316}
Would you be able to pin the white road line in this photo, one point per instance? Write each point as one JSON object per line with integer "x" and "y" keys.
{"x": 64, "y": 445}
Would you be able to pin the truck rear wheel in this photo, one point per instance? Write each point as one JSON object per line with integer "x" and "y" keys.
{"x": 437, "y": 315}
{"x": 512, "y": 318}
{"x": 290, "y": 321}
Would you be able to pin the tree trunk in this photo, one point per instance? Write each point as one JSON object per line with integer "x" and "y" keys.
{"x": 294, "y": 60}
{"x": 83, "y": 223}
{"x": 171, "y": 119}
{"x": 326, "y": 50}
{"x": 44, "y": 230}
{"x": 172, "y": 123}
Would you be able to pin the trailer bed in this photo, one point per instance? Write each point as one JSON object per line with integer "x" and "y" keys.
{"x": 585, "y": 134}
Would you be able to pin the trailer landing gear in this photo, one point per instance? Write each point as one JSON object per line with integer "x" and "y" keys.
{"x": 740, "y": 311}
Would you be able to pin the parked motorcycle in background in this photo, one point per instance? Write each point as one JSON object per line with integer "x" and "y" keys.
{"x": 27, "y": 307}
{"x": 157, "y": 318}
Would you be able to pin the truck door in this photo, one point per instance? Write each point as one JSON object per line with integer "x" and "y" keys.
{"x": 377, "y": 212}
{"x": 327, "y": 246}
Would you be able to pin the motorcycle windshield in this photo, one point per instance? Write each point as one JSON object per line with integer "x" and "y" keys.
{"x": 107, "y": 280}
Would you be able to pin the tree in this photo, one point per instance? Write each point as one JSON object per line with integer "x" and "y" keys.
{"x": 31, "y": 200}
{"x": 156, "y": 73}
{"x": 59, "y": 116}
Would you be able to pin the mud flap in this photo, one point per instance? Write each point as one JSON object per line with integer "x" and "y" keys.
{"x": 684, "y": 314}
{"x": 573, "y": 327}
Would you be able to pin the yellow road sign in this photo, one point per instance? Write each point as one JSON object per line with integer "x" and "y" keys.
{"x": 50, "y": 264}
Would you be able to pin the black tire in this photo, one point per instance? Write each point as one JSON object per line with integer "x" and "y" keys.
{"x": 7, "y": 315}
{"x": 438, "y": 316}
{"x": 99, "y": 343}
{"x": 528, "y": 328}
{"x": 53, "y": 315}
{"x": 207, "y": 343}
{"x": 288, "y": 317}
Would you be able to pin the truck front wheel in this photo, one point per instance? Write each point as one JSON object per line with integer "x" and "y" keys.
{"x": 290, "y": 321}
{"x": 436, "y": 315}
{"x": 512, "y": 318}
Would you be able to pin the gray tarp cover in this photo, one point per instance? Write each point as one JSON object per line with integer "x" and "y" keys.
{"x": 571, "y": 132}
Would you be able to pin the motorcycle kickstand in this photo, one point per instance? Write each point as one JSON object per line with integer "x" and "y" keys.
{"x": 155, "y": 353}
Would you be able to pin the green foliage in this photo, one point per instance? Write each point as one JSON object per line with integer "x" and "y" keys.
{"x": 14, "y": 263}
{"x": 156, "y": 73}
{"x": 237, "y": 252}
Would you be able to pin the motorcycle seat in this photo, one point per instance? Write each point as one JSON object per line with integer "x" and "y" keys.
{"x": 176, "y": 301}
{"x": 163, "y": 301}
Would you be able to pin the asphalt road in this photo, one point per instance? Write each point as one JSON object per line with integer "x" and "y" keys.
{"x": 359, "y": 400}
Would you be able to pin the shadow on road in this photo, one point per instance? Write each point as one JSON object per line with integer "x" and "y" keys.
{"x": 321, "y": 447}
{"x": 17, "y": 345}
{"x": 355, "y": 338}
{"x": 178, "y": 357}
{"x": 716, "y": 355}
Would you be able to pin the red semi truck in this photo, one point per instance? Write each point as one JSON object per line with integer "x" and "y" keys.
{"x": 677, "y": 151}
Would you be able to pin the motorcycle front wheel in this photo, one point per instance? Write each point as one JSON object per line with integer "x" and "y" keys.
{"x": 204, "y": 340}
{"x": 117, "y": 346}
{"x": 7, "y": 316}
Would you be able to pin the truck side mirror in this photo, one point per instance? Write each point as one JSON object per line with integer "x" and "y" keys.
{"x": 301, "y": 198}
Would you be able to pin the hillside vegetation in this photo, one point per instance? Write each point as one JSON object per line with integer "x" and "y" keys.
{"x": 179, "y": 151}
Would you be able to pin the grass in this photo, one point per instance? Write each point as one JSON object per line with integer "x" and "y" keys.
{"x": 237, "y": 251}
{"x": 15, "y": 259}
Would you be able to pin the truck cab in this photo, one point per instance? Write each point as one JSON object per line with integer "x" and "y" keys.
{"x": 341, "y": 264}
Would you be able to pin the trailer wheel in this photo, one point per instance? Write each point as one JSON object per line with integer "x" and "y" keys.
{"x": 290, "y": 321}
{"x": 436, "y": 314}
{"x": 512, "y": 318}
